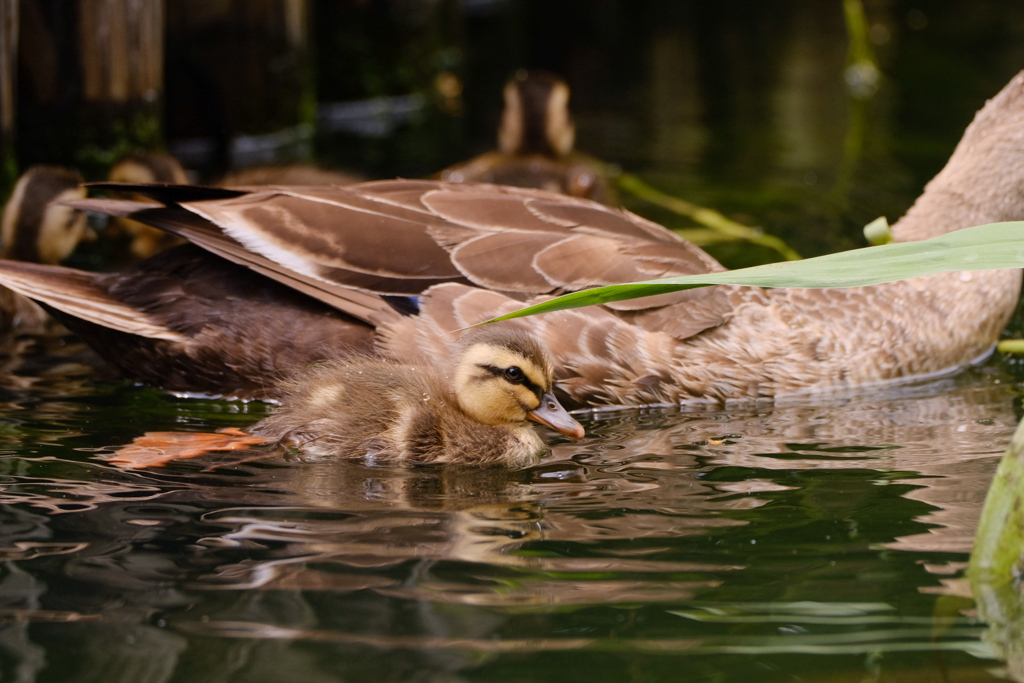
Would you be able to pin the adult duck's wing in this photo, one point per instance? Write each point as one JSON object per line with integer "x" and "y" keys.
{"x": 402, "y": 237}
{"x": 83, "y": 296}
{"x": 187, "y": 320}
{"x": 173, "y": 218}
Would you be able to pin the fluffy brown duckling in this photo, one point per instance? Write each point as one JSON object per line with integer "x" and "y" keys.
{"x": 535, "y": 144}
{"x": 474, "y": 412}
{"x": 37, "y": 227}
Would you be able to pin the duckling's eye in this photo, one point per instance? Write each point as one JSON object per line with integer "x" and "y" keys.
{"x": 514, "y": 375}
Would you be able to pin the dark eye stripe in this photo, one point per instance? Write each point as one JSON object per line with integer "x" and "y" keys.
{"x": 500, "y": 372}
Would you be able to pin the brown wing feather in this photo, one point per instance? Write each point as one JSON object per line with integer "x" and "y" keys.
{"x": 583, "y": 261}
{"x": 292, "y": 229}
{"x": 488, "y": 210}
{"x": 199, "y": 231}
{"x": 347, "y": 245}
{"x": 81, "y": 295}
{"x": 486, "y": 260}
{"x": 170, "y": 194}
{"x": 599, "y": 218}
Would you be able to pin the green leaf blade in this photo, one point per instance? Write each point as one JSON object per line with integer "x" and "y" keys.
{"x": 986, "y": 247}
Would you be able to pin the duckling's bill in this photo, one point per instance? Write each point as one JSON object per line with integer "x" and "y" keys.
{"x": 551, "y": 414}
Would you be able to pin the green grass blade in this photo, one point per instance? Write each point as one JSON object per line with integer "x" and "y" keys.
{"x": 984, "y": 247}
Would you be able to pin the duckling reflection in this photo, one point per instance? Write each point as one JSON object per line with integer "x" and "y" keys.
{"x": 632, "y": 496}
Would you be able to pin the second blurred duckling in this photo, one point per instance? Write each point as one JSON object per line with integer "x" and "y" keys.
{"x": 149, "y": 167}
{"x": 535, "y": 144}
{"x": 36, "y": 227}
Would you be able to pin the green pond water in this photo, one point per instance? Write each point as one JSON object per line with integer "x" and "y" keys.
{"x": 817, "y": 540}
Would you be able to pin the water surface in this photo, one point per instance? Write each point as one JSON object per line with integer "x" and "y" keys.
{"x": 821, "y": 540}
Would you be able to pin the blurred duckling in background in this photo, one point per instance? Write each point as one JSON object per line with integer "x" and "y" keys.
{"x": 149, "y": 167}
{"x": 535, "y": 144}
{"x": 476, "y": 412}
{"x": 37, "y": 228}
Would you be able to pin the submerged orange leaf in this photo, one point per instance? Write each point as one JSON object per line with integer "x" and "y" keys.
{"x": 156, "y": 449}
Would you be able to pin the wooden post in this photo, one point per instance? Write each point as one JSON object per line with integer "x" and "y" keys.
{"x": 92, "y": 81}
{"x": 8, "y": 74}
{"x": 239, "y": 87}
{"x": 120, "y": 46}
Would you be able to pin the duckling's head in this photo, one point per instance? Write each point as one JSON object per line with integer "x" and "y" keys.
{"x": 505, "y": 377}
{"x": 36, "y": 227}
{"x": 536, "y": 118}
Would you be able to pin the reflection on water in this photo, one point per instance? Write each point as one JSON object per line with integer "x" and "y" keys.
{"x": 663, "y": 540}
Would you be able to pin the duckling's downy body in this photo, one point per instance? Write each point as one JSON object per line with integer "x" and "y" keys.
{"x": 474, "y": 412}
{"x": 400, "y": 264}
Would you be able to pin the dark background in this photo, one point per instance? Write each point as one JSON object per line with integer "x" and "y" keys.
{"x": 741, "y": 106}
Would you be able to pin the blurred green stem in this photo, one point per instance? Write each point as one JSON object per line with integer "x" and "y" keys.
{"x": 857, "y": 31}
{"x": 1011, "y": 346}
{"x": 862, "y": 77}
{"x": 719, "y": 224}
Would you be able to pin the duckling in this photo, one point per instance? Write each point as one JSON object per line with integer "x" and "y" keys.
{"x": 147, "y": 167}
{"x": 474, "y": 412}
{"x": 37, "y": 227}
{"x": 535, "y": 144}
{"x": 404, "y": 263}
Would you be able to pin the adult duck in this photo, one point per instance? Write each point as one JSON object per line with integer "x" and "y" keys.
{"x": 279, "y": 277}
